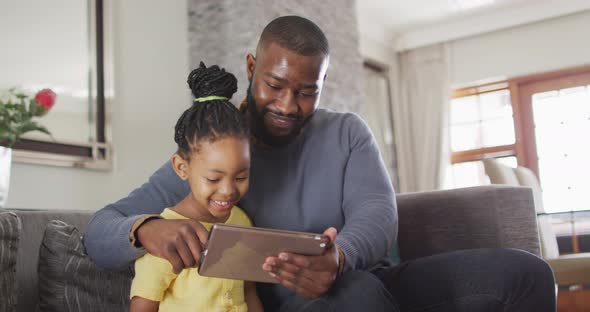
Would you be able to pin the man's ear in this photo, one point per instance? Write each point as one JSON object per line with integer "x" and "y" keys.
{"x": 250, "y": 64}
{"x": 180, "y": 166}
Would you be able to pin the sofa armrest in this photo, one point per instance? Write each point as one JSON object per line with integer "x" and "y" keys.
{"x": 10, "y": 235}
{"x": 492, "y": 216}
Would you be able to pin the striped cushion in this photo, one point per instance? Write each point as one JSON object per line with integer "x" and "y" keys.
{"x": 10, "y": 228}
{"x": 69, "y": 281}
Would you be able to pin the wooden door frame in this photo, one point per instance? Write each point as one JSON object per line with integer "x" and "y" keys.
{"x": 521, "y": 91}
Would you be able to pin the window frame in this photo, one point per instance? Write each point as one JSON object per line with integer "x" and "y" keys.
{"x": 484, "y": 152}
{"x": 521, "y": 89}
{"x": 95, "y": 155}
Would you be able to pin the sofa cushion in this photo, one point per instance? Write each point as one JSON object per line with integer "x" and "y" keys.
{"x": 499, "y": 173}
{"x": 10, "y": 229}
{"x": 27, "y": 259}
{"x": 69, "y": 281}
{"x": 527, "y": 178}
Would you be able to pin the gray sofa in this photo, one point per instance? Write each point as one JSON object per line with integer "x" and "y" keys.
{"x": 43, "y": 265}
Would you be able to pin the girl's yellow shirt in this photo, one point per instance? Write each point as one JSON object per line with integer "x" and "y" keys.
{"x": 188, "y": 291}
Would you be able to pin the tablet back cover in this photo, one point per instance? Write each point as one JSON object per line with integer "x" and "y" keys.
{"x": 237, "y": 252}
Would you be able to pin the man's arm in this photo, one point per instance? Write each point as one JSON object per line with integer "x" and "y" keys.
{"x": 107, "y": 237}
{"x": 370, "y": 225}
{"x": 369, "y": 206}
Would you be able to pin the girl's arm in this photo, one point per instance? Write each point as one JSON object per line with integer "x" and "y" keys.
{"x": 155, "y": 273}
{"x": 251, "y": 297}
{"x": 139, "y": 304}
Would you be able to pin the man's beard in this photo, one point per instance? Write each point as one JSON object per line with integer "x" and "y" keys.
{"x": 258, "y": 128}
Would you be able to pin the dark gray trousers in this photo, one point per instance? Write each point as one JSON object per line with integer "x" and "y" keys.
{"x": 474, "y": 280}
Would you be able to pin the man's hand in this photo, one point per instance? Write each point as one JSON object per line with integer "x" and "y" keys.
{"x": 178, "y": 241}
{"x": 309, "y": 276}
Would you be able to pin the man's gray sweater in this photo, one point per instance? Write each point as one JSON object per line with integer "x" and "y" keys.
{"x": 331, "y": 175}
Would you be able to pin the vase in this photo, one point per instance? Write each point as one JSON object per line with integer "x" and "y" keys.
{"x": 5, "y": 162}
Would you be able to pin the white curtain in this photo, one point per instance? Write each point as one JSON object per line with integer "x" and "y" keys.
{"x": 421, "y": 118}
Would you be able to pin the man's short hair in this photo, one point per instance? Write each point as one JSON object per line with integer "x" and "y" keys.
{"x": 296, "y": 34}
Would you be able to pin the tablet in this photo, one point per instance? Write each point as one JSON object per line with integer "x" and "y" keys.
{"x": 237, "y": 252}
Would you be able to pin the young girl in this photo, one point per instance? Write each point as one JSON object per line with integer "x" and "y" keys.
{"x": 214, "y": 156}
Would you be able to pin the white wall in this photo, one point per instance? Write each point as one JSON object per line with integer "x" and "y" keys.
{"x": 151, "y": 66}
{"x": 539, "y": 47}
{"x": 375, "y": 50}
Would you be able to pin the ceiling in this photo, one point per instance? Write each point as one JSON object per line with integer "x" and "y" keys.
{"x": 406, "y": 24}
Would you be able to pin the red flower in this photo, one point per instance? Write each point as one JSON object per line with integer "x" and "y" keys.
{"x": 46, "y": 98}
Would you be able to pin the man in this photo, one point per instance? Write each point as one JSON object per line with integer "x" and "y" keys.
{"x": 319, "y": 171}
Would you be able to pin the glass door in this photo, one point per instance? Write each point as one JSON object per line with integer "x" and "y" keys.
{"x": 556, "y": 137}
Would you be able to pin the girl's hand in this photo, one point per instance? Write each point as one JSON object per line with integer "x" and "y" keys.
{"x": 309, "y": 276}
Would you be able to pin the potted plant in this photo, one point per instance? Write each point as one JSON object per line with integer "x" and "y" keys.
{"x": 17, "y": 113}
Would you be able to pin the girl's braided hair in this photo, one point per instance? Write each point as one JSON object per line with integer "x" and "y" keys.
{"x": 210, "y": 119}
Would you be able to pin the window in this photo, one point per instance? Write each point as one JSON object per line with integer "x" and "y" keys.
{"x": 482, "y": 126}
{"x": 538, "y": 121}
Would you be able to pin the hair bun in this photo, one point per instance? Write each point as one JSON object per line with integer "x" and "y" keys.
{"x": 206, "y": 81}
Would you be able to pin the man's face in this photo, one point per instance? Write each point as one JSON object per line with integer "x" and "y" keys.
{"x": 284, "y": 91}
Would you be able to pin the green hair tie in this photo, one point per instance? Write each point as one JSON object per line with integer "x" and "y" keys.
{"x": 210, "y": 98}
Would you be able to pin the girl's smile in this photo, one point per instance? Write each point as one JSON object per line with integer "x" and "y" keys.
{"x": 218, "y": 174}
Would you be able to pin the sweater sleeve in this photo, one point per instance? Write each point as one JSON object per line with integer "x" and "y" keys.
{"x": 369, "y": 206}
{"x": 107, "y": 235}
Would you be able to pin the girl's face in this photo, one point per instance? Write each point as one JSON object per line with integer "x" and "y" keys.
{"x": 218, "y": 174}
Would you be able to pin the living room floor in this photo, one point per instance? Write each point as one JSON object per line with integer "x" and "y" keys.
{"x": 573, "y": 301}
